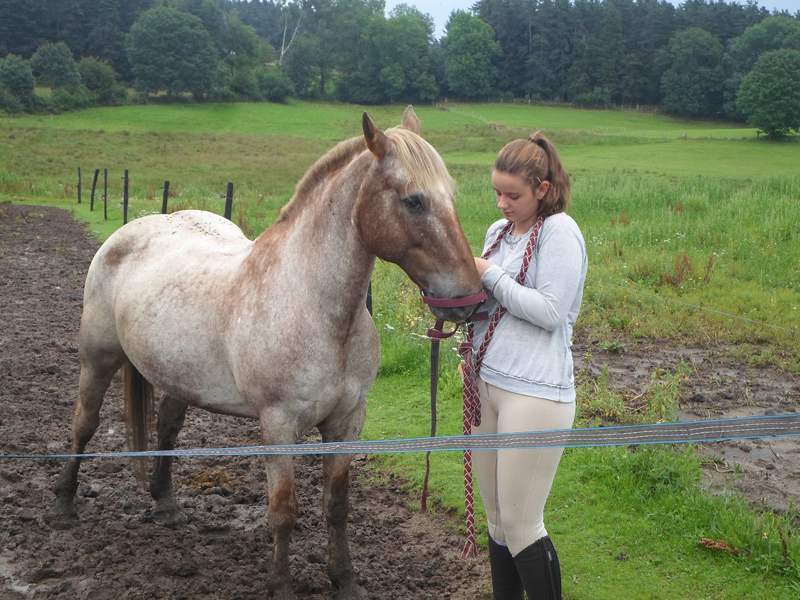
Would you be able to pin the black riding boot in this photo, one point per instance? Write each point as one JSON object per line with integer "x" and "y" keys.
{"x": 540, "y": 571}
{"x": 506, "y": 584}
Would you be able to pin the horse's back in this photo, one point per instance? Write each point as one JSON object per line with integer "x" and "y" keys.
{"x": 157, "y": 288}
{"x": 195, "y": 230}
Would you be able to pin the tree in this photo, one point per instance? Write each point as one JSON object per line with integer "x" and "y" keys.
{"x": 551, "y": 51}
{"x": 20, "y": 27}
{"x": 305, "y": 66}
{"x": 209, "y": 12}
{"x": 514, "y": 23}
{"x": 773, "y": 33}
{"x": 242, "y": 51}
{"x": 411, "y": 34}
{"x": 692, "y": 84}
{"x": 769, "y": 96}
{"x": 275, "y": 21}
{"x": 16, "y": 83}
{"x": 101, "y": 80}
{"x": 393, "y": 62}
{"x": 171, "y": 50}
{"x": 470, "y": 48}
{"x": 54, "y": 66}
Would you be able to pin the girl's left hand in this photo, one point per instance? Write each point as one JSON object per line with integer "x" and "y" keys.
{"x": 481, "y": 264}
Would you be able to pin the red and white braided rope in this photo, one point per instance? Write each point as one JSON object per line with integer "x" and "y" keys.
{"x": 470, "y": 369}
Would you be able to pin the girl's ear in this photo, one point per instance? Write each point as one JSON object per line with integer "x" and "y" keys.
{"x": 542, "y": 190}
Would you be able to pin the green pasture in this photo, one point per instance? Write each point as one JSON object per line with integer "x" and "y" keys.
{"x": 691, "y": 229}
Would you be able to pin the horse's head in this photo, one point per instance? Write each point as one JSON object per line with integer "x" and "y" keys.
{"x": 405, "y": 214}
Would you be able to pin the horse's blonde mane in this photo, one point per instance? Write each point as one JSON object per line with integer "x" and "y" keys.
{"x": 421, "y": 161}
{"x": 331, "y": 161}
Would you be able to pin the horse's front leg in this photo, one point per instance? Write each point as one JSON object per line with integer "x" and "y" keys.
{"x": 336, "y": 472}
{"x": 282, "y": 508}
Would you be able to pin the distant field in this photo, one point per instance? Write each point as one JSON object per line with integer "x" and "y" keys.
{"x": 691, "y": 229}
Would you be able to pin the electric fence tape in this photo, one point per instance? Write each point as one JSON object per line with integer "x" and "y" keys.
{"x": 681, "y": 432}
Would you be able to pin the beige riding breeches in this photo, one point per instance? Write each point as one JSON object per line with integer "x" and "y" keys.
{"x": 514, "y": 484}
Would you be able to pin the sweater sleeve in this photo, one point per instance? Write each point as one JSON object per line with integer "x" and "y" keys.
{"x": 559, "y": 265}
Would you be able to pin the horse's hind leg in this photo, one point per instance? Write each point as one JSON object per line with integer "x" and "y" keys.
{"x": 171, "y": 414}
{"x": 94, "y": 380}
{"x": 336, "y": 473}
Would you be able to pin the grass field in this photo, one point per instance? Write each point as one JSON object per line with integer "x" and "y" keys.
{"x": 691, "y": 230}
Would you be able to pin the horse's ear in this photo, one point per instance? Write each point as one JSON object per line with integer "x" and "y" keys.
{"x": 411, "y": 120}
{"x": 377, "y": 142}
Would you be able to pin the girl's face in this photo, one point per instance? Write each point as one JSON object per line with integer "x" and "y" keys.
{"x": 517, "y": 200}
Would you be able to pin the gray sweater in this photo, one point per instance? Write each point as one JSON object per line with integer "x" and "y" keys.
{"x": 530, "y": 352}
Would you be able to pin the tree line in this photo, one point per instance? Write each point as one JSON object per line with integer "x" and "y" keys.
{"x": 700, "y": 59}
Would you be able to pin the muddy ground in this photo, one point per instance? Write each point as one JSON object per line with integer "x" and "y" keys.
{"x": 117, "y": 551}
{"x": 767, "y": 471}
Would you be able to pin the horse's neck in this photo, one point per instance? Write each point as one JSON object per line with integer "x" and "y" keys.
{"x": 320, "y": 246}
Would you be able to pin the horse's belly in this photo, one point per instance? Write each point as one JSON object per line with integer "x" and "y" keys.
{"x": 204, "y": 385}
{"x": 229, "y": 404}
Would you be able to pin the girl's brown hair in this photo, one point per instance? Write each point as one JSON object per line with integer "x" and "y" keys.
{"x": 535, "y": 159}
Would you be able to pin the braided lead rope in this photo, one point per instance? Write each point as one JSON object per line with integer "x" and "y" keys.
{"x": 470, "y": 370}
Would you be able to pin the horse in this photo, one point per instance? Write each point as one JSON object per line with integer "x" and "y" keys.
{"x": 274, "y": 329}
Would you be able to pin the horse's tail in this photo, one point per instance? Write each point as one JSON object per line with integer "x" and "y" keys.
{"x": 138, "y": 415}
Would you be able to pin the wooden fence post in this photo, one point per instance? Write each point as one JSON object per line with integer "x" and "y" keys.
{"x": 125, "y": 198}
{"x": 164, "y": 198}
{"x": 94, "y": 185}
{"x": 79, "y": 185}
{"x": 229, "y": 201}
{"x": 105, "y": 194}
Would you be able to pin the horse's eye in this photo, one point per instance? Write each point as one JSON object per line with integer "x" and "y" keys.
{"x": 415, "y": 203}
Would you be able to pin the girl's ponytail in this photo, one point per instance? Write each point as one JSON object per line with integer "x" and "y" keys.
{"x": 557, "y": 198}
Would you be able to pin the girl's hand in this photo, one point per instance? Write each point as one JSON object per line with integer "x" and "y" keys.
{"x": 481, "y": 264}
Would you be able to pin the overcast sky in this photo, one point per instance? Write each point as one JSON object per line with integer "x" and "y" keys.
{"x": 440, "y": 9}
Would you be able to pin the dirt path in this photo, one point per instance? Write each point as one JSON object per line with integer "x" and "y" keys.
{"x": 117, "y": 551}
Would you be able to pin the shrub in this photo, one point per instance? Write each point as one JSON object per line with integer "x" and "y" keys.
{"x": 274, "y": 85}
{"x": 72, "y": 99}
{"x": 100, "y": 78}
{"x": 16, "y": 84}
{"x": 245, "y": 85}
{"x": 9, "y": 102}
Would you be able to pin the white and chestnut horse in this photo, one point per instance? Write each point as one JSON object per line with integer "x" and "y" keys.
{"x": 274, "y": 329}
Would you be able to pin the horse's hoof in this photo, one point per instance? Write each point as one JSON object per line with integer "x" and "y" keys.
{"x": 284, "y": 593}
{"x": 61, "y": 519}
{"x": 170, "y": 518}
{"x": 351, "y": 592}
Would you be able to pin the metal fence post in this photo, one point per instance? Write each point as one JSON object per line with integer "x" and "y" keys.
{"x": 164, "y": 198}
{"x": 125, "y": 198}
{"x": 229, "y": 201}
